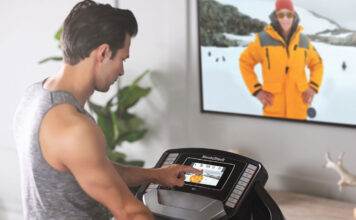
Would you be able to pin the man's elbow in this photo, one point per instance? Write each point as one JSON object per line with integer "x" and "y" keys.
{"x": 133, "y": 211}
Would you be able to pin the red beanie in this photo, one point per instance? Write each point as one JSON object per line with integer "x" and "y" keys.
{"x": 284, "y": 4}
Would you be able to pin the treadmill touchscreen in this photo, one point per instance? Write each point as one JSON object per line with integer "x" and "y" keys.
{"x": 210, "y": 176}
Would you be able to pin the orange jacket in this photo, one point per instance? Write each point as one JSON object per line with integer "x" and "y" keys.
{"x": 283, "y": 71}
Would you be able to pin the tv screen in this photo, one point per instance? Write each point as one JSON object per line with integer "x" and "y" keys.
{"x": 251, "y": 65}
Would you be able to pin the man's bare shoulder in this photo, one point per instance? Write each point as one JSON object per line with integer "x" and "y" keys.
{"x": 67, "y": 134}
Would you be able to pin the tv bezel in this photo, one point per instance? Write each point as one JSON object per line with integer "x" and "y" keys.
{"x": 202, "y": 110}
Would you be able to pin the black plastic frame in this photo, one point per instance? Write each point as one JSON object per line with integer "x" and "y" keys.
{"x": 202, "y": 110}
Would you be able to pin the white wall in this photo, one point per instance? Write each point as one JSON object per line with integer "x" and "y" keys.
{"x": 293, "y": 153}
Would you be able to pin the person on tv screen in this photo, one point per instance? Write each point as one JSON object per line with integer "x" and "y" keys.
{"x": 283, "y": 52}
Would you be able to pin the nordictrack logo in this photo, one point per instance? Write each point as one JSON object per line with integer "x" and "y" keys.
{"x": 213, "y": 158}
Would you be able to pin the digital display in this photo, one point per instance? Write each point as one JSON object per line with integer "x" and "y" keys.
{"x": 236, "y": 67}
{"x": 211, "y": 174}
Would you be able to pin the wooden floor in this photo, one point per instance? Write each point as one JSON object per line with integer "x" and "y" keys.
{"x": 303, "y": 207}
{"x": 294, "y": 207}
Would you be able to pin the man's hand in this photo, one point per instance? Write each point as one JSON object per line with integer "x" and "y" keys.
{"x": 265, "y": 98}
{"x": 173, "y": 175}
{"x": 308, "y": 96}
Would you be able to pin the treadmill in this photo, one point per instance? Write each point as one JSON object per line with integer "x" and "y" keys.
{"x": 230, "y": 187}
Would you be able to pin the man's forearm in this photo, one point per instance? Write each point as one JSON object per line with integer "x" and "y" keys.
{"x": 134, "y": 176}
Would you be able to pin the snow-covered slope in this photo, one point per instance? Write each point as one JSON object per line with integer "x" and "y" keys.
{"x": 262, "y": 9}
{"x": 225, "y": 91}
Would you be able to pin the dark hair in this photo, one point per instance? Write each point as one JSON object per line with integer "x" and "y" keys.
{"x": 90, "y": 24}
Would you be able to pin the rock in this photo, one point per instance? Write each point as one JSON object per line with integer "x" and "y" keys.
{"x": 215, "y": 19}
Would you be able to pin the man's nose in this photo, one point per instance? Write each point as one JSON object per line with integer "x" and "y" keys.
{"x": 121, "y": 71}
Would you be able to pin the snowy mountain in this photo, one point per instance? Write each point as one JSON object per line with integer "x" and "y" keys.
{"x": 262, "y": 9}
{"x": 315, "y": 26}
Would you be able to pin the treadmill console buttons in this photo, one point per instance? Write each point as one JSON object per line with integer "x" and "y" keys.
{"x": 249, "y": 171}
{"x": 247, "y": 175}
{"x": 252, "y": 167}
{"x": 240, "y": 186}
{"x": 230, "y": 204}
{"x": 170, "y": 159}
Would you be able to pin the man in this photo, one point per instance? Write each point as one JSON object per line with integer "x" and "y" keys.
{"x": 283, "y": 52}
{"x": 64, "y": 169}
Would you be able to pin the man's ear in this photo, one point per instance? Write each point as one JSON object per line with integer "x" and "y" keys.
{"x": 103, "y": 52}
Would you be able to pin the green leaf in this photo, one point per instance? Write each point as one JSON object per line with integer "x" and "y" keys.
{"x": 121, "y": 158}
{"x": 122, "y": 125}
{"x": 109, "y": 104}
{"x": 106, "y": 126}
{"x": 138, "y": 79}
{"x": 115, "y": 155}
{"x": 57, "y": 36}
{"x": 134, "y": 123}
{"x": 50, "y": 58}
{"x": 97, "y": 109}
{"x": 132, "y": 136}
{"x": 127, "y": 116}
{"x": 137, "y": 163}
{"x": 129, "y": 125}
{"x": 131, "y": 96}
{"x": 115, "y": 127}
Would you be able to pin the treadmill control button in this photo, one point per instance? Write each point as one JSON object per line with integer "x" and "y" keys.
{"x": 170, "y": 160}
{"x": 245, "y": 179}
{"x": 252, "y": 167}
{"x": 249, "y": 171}
{"x": 230, "y": 204}
{"x": 232, "y": 200}
{"x": 173, "y": 155}
{"x": 234, "y": 196}
{"x": 247, "y": 175}
{"x": 242, "y": 183}
{"x": 236, "y": 191}
{"x": 239, "y": 187}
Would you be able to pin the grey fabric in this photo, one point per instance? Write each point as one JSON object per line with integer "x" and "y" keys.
{"x": 266, "y": 40}
{"x": 303, "y": 41}
{"x": 46, "y": 192}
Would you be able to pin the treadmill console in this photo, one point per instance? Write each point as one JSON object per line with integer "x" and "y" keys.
{"x": 230, "y": 187}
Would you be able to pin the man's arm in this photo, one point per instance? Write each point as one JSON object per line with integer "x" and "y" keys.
{"x": 74, "y": 141}
{"x": 167, "y": 176}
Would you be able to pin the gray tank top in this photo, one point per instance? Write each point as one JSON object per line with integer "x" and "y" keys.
{"x": 46, "y": 192}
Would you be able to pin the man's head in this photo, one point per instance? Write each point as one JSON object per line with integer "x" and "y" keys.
{"x": 285, "y": 14}
{"x": 90, "y": 25}
{"x": 101, "y": 33}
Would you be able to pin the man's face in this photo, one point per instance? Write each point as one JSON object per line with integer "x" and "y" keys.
{"x": 285, "y": 19}
{"x": 111, "y": 69}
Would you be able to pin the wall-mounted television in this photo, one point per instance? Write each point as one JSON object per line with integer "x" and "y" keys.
{"x": 228, "y": 27}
